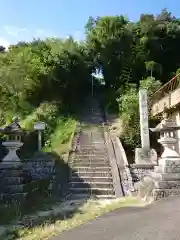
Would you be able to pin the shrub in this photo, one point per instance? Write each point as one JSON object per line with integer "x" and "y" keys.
{"x": 58, "y": 128}
{"x": 129, "y": 109}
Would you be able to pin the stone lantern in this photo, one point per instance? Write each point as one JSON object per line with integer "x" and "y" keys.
{"x": 14, "y": 137}
{"x": 167, "y": 129}
{"x": 12, "y": 175}
{"x": 165, "y": 180}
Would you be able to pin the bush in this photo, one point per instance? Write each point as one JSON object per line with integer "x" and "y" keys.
{"x": 129, "y": 109}
{"x": 58, "y": 130}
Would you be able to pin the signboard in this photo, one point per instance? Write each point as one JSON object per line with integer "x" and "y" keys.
{"x": 39, "y": 126}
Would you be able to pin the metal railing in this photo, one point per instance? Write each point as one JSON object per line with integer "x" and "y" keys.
{"x": 166, "y": 89}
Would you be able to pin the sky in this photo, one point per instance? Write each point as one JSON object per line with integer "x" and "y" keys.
{"x": 23, "y": 20}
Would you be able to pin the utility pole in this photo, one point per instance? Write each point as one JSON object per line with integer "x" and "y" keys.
{"x": 92, "y": 82}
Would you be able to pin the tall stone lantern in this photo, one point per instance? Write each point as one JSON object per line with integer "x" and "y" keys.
{"x": 12, "y": 175}
{"x": 165, "y": 180}
{"x": 14, "y": 141}
{"x": 167, "y": 129}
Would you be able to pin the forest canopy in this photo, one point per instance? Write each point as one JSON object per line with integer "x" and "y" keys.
{"x": 61, "y": 70}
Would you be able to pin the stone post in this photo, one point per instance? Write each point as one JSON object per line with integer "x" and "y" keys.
{"x": 144, "y": 155}
{"x": 144, "y": 125}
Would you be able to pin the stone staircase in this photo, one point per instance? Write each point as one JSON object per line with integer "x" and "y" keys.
{"x": 91, "y": 171}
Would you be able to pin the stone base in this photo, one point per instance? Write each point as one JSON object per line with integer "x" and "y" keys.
{"x": 163, "y": 193}
{"x": 145, "y": 156}
{"x": 10, "y": 165}
{"x": 165, "y": 176}
{"x": 15, "y": 188}
{"x": 8, "y": 180}
{"x": 15, "y": 197}
{"x": 151, "y": 188}
{"x": 12, "y": 187}
{"x": 167, "y": 185}
{"x": 138, "y": 171}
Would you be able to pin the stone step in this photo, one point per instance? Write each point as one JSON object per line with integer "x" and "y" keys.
{"x": 89, "y": 164}
{"x": 90, "y": 185}
{"x": 11, "y": 180}
{"x": 91, "y": 179}
{"x": 90, "y": 150}
{"x": 12, "y": 188}
{"x": 12, "y": 173}
{"x": 93, "y": 147}
{"x": 15, "y": 197}
{"x": 97, "y": 191}
{"x": 88, "y": 159}
{"x": 74, "y": 159}
{"x": 89, "y": 196}
{"x": 83, "y": 174}
{"x": 91, "y": 169}
{"x": 167, "y": 184}
{"x": 91, "y": 155}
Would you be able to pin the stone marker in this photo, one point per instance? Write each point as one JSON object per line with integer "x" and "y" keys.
{"x": 144, "y": 155}
{"x": 144, "y": 125}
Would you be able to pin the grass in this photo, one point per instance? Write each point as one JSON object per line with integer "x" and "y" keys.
{"x": 14, "y": 211}
{"x": 66, "y": 216}
{"x": 61, "y": 138}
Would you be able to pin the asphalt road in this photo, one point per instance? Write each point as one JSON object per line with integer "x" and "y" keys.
{"x": 159, "y": 221}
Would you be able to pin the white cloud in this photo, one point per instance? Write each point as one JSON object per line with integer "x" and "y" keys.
{"x": 16, "y": 34}
{"x": 40, "y": 32}
{"x": 25, "y": 34}
{"x": 4, "y": 43}
{"x": 15, "y": 31}
{"x": 77, "y": 36}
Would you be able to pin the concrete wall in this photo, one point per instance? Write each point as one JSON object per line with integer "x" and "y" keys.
{"x": 171, "y": 100}
{"x": 168, "y": 101}
{"x": 176, "y": 116}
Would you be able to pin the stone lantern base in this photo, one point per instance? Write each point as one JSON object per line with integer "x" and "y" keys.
{"x": 12, "y": 184}
{"x": 165, "y": 180}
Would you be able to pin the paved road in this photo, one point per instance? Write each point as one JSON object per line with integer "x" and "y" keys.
{"x": 160, "y": 221}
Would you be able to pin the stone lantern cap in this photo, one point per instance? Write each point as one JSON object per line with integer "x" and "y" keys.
{"x": 166, "y": 125}
{"x": 13, "y": 129}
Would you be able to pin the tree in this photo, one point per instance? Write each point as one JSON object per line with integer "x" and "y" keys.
{"x": 2, "y": 49}
{"x": 109, "y": 40}
{"x": 153, "y": 67}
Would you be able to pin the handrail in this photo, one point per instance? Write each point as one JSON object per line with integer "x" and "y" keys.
{"x": 167, "y": 88}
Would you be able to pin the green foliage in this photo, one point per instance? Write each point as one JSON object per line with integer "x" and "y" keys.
{"x": 129, "y": 110}
{"x": 59, "y": 139}
{"x": 39, "y": 71}
{"x": 38, "y": 198}
{"x": 150, "y": 84}
{"x": 59, "y": 128}
{"x": 60, "y": 69}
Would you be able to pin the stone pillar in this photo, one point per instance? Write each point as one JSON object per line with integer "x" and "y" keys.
{"x": 144, "y": 155}
{"x": 144, "y": 125}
